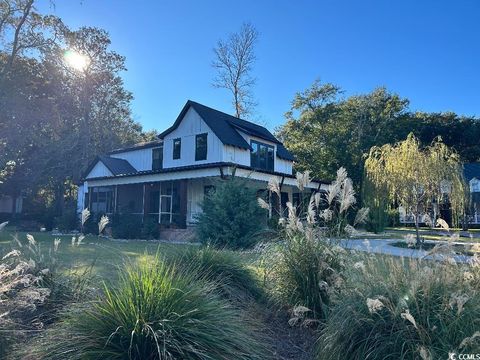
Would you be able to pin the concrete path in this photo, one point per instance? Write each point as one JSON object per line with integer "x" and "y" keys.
{"x": 384, "y": 246}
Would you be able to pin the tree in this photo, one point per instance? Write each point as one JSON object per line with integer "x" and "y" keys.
{"x": 56, "y": 118}
{"x": 326, "y": 132}
{"x": 414, "y": 177}
{"x": 234, "y": 59}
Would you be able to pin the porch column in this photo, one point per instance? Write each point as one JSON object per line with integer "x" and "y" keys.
{"x": 143, "y": 204}
{"x": 115, "y": 202}
{"x": 90, "y": 189}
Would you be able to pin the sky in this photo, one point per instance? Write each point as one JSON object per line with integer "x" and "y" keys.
{"x": 425, "y": 50}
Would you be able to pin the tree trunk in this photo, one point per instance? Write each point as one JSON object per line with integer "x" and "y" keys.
{"x": 417, "y": 225}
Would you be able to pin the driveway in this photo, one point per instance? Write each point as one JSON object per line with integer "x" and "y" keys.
{"x": 385, "y": 246}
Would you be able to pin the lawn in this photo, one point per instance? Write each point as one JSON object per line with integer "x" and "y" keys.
{"x": 103, "y": 255}
{"x": 433, "y": 234}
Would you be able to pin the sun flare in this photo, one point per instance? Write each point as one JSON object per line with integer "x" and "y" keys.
{"x": 76, "y": 60}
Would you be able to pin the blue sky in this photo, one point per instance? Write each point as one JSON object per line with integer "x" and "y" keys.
{"x": 427, "y": 51}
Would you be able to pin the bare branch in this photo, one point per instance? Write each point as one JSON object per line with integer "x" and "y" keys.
{"x": 234, "y": 60}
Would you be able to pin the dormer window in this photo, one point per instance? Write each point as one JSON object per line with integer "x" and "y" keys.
{"x": 157, "y": 158}
{"x": 177, "y": 148}
{"x": 262, "y": 156}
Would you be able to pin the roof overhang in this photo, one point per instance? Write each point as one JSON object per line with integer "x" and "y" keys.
{"x": 200, "y": 171}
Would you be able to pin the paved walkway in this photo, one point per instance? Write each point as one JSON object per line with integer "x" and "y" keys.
{"x": 384, "y": 246}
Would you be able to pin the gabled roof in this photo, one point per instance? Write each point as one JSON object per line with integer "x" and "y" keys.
{"x": 227, "y": 128}
{"x": 471, "y": 170}
{"x": 115, "y": 165}
{"x": 142, "y": 145}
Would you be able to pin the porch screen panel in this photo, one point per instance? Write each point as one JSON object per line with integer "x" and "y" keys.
{"x": 130, "y": 199}
{"x": 173, "y": 204}
{"x": 102, "y": 200}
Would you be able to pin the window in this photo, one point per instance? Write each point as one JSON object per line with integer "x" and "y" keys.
{"x": 177, "y": 148}
{"x": 262, "y": 156}
{"x": 201, "y": 147}
{"x": 157, "y": 158}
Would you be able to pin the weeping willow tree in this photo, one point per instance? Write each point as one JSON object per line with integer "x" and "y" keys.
{"x": 414, "y": 177}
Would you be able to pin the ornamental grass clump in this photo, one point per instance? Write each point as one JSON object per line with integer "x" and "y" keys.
{"x": 399, "y": 308}
{"x": 304, "y": 269}
{"x": 33, "y": 290}
{"x": 223, "y": 268}
{"x": 156, "y": 311}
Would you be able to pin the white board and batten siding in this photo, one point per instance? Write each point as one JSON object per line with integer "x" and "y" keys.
{"x": 99, "y": 170}
{"x": 140, "y": 159}
{"x": 191, "y": 125}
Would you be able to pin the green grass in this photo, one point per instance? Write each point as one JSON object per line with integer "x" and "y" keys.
{"x": 103, "y": 255}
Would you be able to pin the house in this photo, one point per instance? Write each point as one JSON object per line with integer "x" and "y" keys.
{"x": 167, "y": 179}
{"x": 10, "y": 206}
{"x": 471, "y": 174}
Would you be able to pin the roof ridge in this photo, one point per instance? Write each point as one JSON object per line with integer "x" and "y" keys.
{"x": 227, "y": 114}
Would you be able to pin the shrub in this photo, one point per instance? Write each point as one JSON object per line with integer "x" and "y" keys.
{"x": 127, "y": 226}
{"x": 404, "y": 309}
{"x": 231, "y": 216}
{"x": 155, "y": 312}
{"x": 150, "y": 228}
{"x": 68, "y": 221}
{"x": 225, "y": 269}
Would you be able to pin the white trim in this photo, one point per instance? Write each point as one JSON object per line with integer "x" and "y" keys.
{"x": 201, "y": 173}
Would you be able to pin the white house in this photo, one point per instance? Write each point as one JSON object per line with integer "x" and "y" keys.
{"x": 168, "y": 179}
{"x": 471, "y": 174}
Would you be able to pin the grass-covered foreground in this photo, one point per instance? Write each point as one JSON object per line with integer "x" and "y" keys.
{"x": 297, "y": 295}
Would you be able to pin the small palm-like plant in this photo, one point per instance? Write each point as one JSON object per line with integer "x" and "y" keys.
{"x": 156, "y": 312}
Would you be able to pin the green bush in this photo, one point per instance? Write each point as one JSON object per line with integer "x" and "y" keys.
{"x": 403, "y": 309}
{"x": 150, "y": 228}
{"x": 225, "y": 269}
{"x": 155, "y": 312}
{"x": 68, "y": 221}
{"x": 231, "y": 216}
{"x": 127, "y": 226}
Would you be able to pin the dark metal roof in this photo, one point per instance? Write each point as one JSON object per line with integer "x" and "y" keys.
{"x": 202, "y": 166}
{"x": 471, "y": 170}
{"x": 143, "y": 145}
{"x": 226, "y": 127}
{"x": 115, "y": 165}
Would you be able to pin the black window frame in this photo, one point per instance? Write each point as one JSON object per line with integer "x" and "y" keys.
{"x": 177, "y": 151}
{"x": 157, "y": 164}
{"x": 199, "y": 156}
{"x": 257, "y": 161}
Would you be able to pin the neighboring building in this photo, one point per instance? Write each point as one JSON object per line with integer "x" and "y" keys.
{"x": 10, "y": 206}
{"x": 472, "y": 176}
{"x": 168, "y": 179}
{"x": 471, "y": 173}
